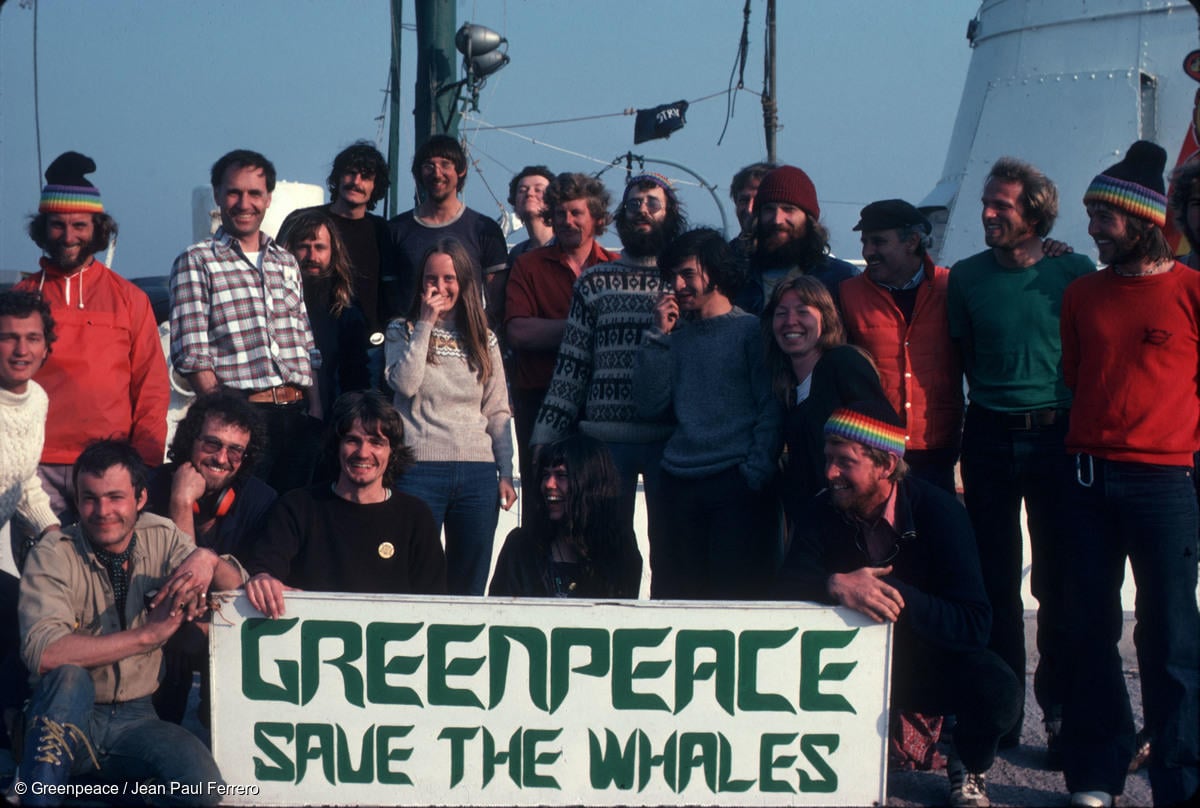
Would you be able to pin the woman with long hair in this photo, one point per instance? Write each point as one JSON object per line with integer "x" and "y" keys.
{"x": 813, "y": 372}
{"x": 573, "y": 543}
{"x": 444, "y": 365}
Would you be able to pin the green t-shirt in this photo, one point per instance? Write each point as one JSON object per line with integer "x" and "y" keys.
{"x": 1006, "y": 321}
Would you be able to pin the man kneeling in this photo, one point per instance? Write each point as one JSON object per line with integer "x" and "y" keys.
{"x": 97, "y": 603}
{"x": 902, "y": 551}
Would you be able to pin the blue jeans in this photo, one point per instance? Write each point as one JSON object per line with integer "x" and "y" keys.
{"x": 1000, "y": 467}
{"x": 465, "y": 498}
{"x": 632, "y": 459}
{"x": 1148, "y": 513}
{"x": 122, "y": 742}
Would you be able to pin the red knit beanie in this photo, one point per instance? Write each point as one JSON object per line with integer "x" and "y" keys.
{"x": 790, "y": 186}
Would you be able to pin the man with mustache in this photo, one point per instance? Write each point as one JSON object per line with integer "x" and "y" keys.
{"x": 611, "y": 305}
{"x": 358, "y": 180}
{"x": 896, "y": 311}
{"x": 439, "y": 168}
{"x": 900, "y": 550}
{"x": 787, "y": 234}
{"x": 208, "y": 491}
{"x": 538, "y": 296}
{"x": 1130, "y": 349}
{"x": 338, "y": 324}
{"x": 107, "y": 375}
{"x": 1003, "y": 306}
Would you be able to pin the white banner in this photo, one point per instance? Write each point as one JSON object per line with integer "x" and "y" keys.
{"x": 383, "y": 700}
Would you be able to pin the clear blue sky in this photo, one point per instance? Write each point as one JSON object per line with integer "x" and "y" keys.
{"x": 156, "y": 91}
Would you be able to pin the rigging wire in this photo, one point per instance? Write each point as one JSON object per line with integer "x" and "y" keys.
{"x": 37, "y": 113}
{"x": 739, "y": 67}
{"x": 627, "y": 111}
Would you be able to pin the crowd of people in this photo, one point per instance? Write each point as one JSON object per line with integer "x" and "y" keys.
{"x": 796, "y": 426}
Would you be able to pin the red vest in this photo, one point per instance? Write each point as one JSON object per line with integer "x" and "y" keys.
{"x": 920, "y": 367}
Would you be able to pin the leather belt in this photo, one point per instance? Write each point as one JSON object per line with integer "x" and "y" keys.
{"x": 283, "y": 394}
{"x": 1024, "y": 421}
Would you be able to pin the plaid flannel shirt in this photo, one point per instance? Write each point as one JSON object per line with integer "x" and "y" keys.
{"x": 249, "y": 329}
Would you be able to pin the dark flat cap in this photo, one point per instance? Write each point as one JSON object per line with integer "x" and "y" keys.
{"x": 889, "y": 214}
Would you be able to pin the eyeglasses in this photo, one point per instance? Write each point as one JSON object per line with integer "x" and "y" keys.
{"x": 214, "y": 446}
{"x": 652, "y": 204}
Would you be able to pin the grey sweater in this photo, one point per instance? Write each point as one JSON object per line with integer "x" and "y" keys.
{"x": 448, "y": 414}
{"x": 712, "y": 375}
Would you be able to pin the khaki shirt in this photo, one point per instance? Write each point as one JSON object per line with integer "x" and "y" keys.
{"x": 65, "y": 589}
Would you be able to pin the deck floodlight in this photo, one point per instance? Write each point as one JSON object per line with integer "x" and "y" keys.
{"x": 488, "y": 63}
{"x": 476, "y": 40}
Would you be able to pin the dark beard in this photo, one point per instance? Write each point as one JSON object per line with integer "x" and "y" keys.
{"x": 638, "y": 244}
{"x": 792, "y": 253}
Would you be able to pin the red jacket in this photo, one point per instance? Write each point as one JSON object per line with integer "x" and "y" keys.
{"x": 106, "y": 375}
{"x": 920, "y": 367}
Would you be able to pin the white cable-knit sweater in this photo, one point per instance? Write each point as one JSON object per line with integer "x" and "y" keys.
{"x": 22, "y": 430}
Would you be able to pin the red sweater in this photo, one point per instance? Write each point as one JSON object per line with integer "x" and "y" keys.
{"x": 1131, "y": 352}
{"x": 106, "y": 375}
{"x": 920, "y": 368}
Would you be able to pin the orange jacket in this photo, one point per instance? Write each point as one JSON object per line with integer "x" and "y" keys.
{"x": 106, "y": 375}
{"x": 920, "y": 367}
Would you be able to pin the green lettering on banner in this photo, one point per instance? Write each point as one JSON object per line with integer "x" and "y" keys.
{"x": 500, "y": 639}
{"x": 648, "y": 761}
{"x": 440, "y": 693}
{"x": 311, "y": 634}
{"x": 811, "y": 672}
{"x": 562, "y": 640}
{"x": 385, "y": 754}
{"x": 253, "y": 685}
{"x": 727, "y": 784}
{"x": 531, "y": 758}
{"x": 612, "y": 765}
{"x": 458, "y": 737}
{"x": 625, "y": 640}
{"x": 808, "y": 746}
{"x": 365, "y": 772}
{"x": 378, "y": 689}
{"x": 749, "y": 644}
{"x": 698, "y": 748}
{"x": 767, "y": 762}
{"x": 322, "y": 750}
{"x": 492, "y": 758}
{"x": 282, "y": 771}
{"x": 687, "y": 672}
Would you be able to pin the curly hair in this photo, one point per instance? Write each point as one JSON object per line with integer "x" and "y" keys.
{"x": 18, "y": 304}
{"x": 1182, "y": 183}
{"x": 230, "y": 408}
{"x": 376, "y": 414}
{"x": 568, "y": 186}
{"x": 363, "y": 157}
{"x": 711, "y": 252}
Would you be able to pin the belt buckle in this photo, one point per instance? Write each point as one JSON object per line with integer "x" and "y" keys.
{"x": 275, "y": 396}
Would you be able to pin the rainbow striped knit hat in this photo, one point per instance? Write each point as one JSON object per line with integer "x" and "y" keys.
{"x": 67, "y": 191}
{"x": 1135, "y": 185}
{"x": 870, "y": 423}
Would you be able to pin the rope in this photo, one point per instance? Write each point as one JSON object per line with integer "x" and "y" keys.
{"x": 739, "y": 67}
{"x": 625, "y": 112}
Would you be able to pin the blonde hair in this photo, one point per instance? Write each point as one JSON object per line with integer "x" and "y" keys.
{"x": 811, "y": 292}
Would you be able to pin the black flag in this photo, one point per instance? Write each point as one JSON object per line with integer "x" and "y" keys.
{"x": 660, "y": 121}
